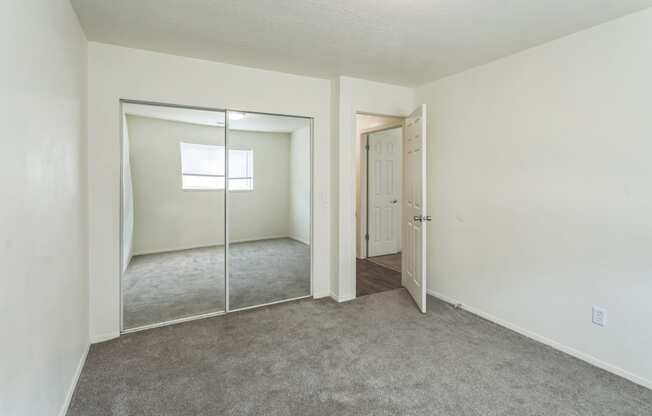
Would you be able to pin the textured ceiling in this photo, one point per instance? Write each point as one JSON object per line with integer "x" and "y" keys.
{"x": 407, "y": 42}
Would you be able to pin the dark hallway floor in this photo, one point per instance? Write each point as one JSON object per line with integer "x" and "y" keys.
{"x": 390, "y": 261}
{"x": 374, "y": 278}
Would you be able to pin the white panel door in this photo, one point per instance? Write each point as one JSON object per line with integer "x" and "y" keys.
{"x": 414, "y": 207}
{"x": 384, "y": 190}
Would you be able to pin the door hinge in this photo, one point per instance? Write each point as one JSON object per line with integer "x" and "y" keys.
{"x": 366, "y": 237}
{"x": 366, "y": 146}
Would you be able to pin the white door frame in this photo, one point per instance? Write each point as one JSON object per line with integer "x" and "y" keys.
{"x": 347, "y": 148}
{"x": 364, "y": 172}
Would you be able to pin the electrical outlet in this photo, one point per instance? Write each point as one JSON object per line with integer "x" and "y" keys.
{"x": 599, "y": 316}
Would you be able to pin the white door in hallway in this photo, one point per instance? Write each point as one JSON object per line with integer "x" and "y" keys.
{"x": 384, "y": 170}
{"x": 415, "y": 216}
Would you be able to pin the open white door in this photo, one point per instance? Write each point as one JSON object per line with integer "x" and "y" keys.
{"x": 414, "y": 207}
{"x": 384, "y": 192}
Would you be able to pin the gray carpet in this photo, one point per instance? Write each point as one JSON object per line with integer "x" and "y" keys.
{"x": 179, "y": 284}
{"x": 376, "y": 355}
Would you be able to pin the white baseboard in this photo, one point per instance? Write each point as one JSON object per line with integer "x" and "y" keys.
{"x": 245, "y": 240}
{"x": 250, "y": 240}
{"x": 104, "y": 337}
{"x": 320, "y": 294}
{"x": 547, "y": 341}
{"x": 340, "y": 299}
{"x": 301, "y": 240}
{"x": 73, "y": 384}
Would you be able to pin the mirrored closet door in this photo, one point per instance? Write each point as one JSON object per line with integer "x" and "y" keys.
{"x": 173, "y": 214}
{"x": 215, "y": 212}
{"x": 269, "y": 208}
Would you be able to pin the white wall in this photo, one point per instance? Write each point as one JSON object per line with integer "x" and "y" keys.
{"x": 357, "y": 96}
{"x": 299, "y": 226}
{"x": 116, "y": 72}
{"x": 265, "y": 212}
{"x": 170, "y": 218}
{"x": 127, "y": 199}
{"x": 539, "y": 181}
{"x": 43, "y": 282}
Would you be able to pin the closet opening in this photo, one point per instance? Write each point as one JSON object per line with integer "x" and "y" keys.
{"x": 216, "y": 212}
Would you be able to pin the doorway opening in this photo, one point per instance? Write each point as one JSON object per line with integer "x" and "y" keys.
{"x": 216, "y": 212}
{"x": 379, "y": 203}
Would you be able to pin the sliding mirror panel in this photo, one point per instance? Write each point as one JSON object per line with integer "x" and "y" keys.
{"x": 269, "y": 208}
{"x": 173, "y": 214}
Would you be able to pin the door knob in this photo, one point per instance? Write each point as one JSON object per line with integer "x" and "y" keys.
{"x": 419, "y": 218}
{"x": 393, "y": 201}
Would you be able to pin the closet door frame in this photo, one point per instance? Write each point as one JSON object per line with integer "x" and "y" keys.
{"x": 227, "y": 308}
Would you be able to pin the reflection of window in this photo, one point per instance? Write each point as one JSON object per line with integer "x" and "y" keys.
{"x": 202, "y": 167}
{"x": 241, "y": 169}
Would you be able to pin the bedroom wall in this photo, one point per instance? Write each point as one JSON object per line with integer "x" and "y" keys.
{"x": 44, "y": 277}
{"x": 116, "y": 72}
{"x": 264, "y": 212}
{"x": 168, "y": 217}
{"x": 539, "y": 188}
